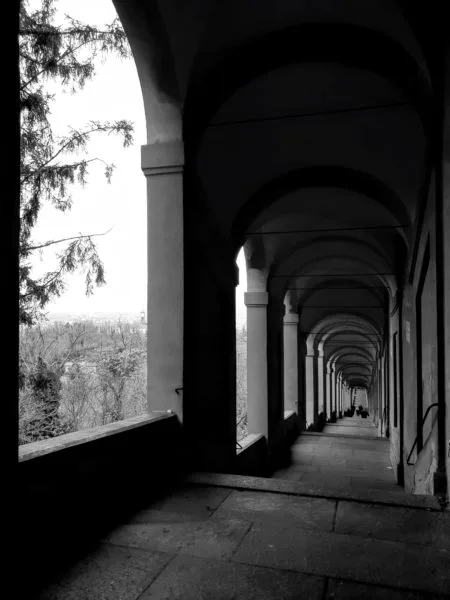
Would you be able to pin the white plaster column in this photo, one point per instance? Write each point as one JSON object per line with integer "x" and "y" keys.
{"x": 340, "y": 392}
{"x": 333, "y": 389}
{"x": 162, "y": 164}
{"x": 320, "y": 382}
{"x": 309, "y": 379}
{"x": 382, "y": 398}
{"x": 382, "y": 420}
{"x": 328, "y": 392}
{"x": 290, "y": 361}
{"x": 257, "y": 397}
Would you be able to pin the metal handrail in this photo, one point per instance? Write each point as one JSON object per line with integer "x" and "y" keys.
{"x": 422, "y": 424}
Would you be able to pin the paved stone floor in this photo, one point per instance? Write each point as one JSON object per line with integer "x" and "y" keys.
{"x": 332, "y": 526}
{"x": 345, "y": 455}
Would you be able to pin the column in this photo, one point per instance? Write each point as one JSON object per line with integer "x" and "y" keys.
{"x": 380, "y": 398}
{"x": 309, "y": 379}
{"x": 328, "y": 392}
{"x": 290, "y": 349}
{"x": 333, "y": 390}
{"x": 162, "y": 164}
{"x": 320, "y": 382}
{"x": 383, "y": 419}
{"x": 257, "y": 398}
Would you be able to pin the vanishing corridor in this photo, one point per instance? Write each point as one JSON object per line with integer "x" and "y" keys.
{"x": 315, "y": 136}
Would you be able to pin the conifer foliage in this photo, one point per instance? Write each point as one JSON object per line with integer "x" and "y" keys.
{"x": 50, "y": 164}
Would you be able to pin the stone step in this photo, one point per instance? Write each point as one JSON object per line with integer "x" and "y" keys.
{"x": 336, "y": 437}
{"x": 351, "y": 431}
{"x": 356, "y": 422}
{"x": 297, "y": 488}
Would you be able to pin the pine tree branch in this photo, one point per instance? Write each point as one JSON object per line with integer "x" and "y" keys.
{"x": 77, "y": 31}
{"x": 93, "y": 36}
{"x": 76, "y": 136}
{"x": 72, "y": 166}
{"x": 57, "y": 60}
{"x": 76, "y": 237}
{"x": 65, "y": 54}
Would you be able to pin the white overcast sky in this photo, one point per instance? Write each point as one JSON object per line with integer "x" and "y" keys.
{"x": 113, "y": 94}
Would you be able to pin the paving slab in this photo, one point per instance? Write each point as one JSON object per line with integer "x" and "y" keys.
{"x": 356, "y": 431}
{"x": 303, "y": 458}
{"x": 355, "y": 422}
{"x": 341, "y": 556}
{"x": 331, "y": 480}
{"x": 210, "y": 497}
{"x": 109, "y": 573}
{"x": 339, "y": 460}
{"x": 351, "y": 483}
{"x": 394, "y": 523}
{"x": 187, "y": 503}
{"x": 337, "y": 436}
{"x": 213, "y": 538}
{"x": 348, "y": 465}
{"x": 190, "y": 578}
{"x": 348, "y": 590}
{"x": 308, "y": 513}
{"x": 385, "y": 474}
{"x": 346, "y": 446}
{"x": 364, "y": 452}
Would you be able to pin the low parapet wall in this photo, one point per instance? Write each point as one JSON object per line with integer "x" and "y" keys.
{"x": 251, "y": 458}
{"x": 257, "y": 459}
{"x": 73, "y": 488}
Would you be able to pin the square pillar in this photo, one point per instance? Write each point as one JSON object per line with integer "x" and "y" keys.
{"x": 311, "y": 412}
{"x": 257, "y": 396}
{"x": 290, "y": 349}
{"x": 328, "y": 392}
{"x": 162, "y": 164}
{"x": 333, "y": 390}
{"x": 320, "y": 383}
{"x": 339, "y": 394}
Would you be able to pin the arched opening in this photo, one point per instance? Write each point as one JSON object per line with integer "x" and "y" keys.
{"x": 241, "y": 351}
{"x": 83, "y": 363}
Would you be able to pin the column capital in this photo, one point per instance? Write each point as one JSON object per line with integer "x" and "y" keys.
{"x": 162, "y": 158}
{"x": 256, "y": 298}
{"x": 290, "y": 319}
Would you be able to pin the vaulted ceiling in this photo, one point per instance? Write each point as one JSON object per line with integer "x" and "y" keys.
{"x": 307, "y": 123}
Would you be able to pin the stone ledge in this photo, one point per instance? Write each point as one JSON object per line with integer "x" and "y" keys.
{"x": 288, "y": 414}
{"x": 43, "y": 447}
{"x": 248, "y": 441}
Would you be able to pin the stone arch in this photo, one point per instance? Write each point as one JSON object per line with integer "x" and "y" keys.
{"x": 330, "y": 176}
{"x": 311, "y": 42}
{"x": 155, "y": 65}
